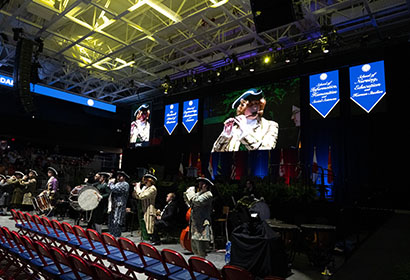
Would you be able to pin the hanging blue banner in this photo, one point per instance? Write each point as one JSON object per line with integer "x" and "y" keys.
{"x": 190, "y": 114}
{"x": 324, "y": 91}
{"x": 367, "y": 84}
{"x": 171, "y": 117}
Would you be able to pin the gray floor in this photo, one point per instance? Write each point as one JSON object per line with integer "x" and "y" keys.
{"x": 301, "y": 269}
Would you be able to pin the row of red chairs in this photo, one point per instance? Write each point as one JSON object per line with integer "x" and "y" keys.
{"x": 141, "y": 258}
{"x": 35, "y": 258}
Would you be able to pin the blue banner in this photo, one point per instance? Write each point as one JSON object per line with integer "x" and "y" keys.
{"x": 190, "y": 114}
{"x": 324, "y": 91}
{"x": 171, "y": 117}
{"x": 367, "y": 84}
{"x": 7, "y": 81}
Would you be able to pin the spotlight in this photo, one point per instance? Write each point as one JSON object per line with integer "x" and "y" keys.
{"x": 218, "y": 74}
{"x": 237, "y": 68}
{"x": 287, "y": 60}
{"x": 266, "y": 59}
{"x": 251, "y": 69}
{"x": 325, "y": 49}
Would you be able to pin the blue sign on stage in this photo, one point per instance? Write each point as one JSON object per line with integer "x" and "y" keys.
{"x": 367, "y": 84}
{"x": 190, "y": 114}
{"x": 324, "y": 91}
{"x": 171, "y": 117}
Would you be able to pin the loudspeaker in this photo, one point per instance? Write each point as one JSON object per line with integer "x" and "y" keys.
{"x": 22, "y": 73}
{"x": 271, "y": 14}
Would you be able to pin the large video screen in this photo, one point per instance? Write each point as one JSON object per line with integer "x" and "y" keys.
{"x": 263, "y": 117}
{"x": 140, "y": 125}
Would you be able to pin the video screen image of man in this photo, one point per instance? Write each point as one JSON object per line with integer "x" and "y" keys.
{"x": 248, "y": 128}
{"x": 140, "y": 126}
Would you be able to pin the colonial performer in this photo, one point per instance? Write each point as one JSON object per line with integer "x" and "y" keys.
{"x": 146, "y": 194}
{"x": 200, "y": 201}
{"x": 29, "y": 184}
{"x": 117, "y": 202}
{"x": 99, "y": 212}
{"x": 140, "y": 127}
{"x": 248, "y": 128}
{"x": 17, "y": 189}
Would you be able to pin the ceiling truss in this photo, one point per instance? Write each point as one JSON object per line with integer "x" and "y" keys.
{"x": 119, "y": 50}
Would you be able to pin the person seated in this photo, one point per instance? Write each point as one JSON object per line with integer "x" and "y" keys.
{"x": 164, "y": 218}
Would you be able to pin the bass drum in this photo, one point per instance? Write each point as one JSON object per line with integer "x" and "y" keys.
{"x": 73, "y": 198}
{"x": 88, "y": 198}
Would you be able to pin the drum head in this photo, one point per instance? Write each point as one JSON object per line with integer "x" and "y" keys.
{"x": 88, "y": 198}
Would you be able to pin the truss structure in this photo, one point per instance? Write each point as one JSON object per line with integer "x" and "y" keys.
{"x": 120, "y": 50}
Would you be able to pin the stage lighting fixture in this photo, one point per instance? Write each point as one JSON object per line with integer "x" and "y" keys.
{"x": 251, "y": 69}
{"x": 287, "y": 60}
{"x": 237, "y": 68}
{"x": 266, "y": 59}
{"x": 325, "y": 49}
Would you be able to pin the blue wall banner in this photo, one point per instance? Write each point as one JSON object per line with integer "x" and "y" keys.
{"x": 324, "y": 91}
{"x": 7, "y": 81}
{"x": 190, "y": 114}
{"x": 367, "y": 84}
{"x": 171, "y": 117}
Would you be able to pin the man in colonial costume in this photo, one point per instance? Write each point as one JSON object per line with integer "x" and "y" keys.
{"x": 4, "y": 195}
{"x": 17, "y": 189}
{"x": 29, "y": 184}
{"x": 248, "y": 128}
{"x": 146, "y": 194}
{"x": 117, "y": 202}
{"x": 200, "y": 201}
{"x": 98, "y": 213}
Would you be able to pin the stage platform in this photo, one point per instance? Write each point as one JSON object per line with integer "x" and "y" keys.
{"x": 384, "y": 255}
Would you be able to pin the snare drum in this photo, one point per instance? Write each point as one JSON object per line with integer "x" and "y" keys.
{"x": 41, "y": 203}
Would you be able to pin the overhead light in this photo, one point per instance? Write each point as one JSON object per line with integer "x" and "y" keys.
{"x": 325, "y": 49}
{"x": 237, "y": 68}
{"x": 216, "y": 3}
{"x": 136, "y": 6}
{"x": 266, "y": 59}
{"x": 251, "y": 69}
{"x": 159, "y": 7}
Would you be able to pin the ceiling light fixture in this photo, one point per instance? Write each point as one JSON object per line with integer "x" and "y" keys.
{"x": 159, "y": 7}
{"x": 216, "y": 3}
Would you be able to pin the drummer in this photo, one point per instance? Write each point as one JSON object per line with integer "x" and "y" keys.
{"x": 99, "y": 213}
{"x": 51, "y": 187}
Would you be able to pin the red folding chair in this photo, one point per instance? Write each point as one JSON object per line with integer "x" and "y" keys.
{"x": 99, "y": 250}
{"x": 8, "y": 245}
{"x": 30, "y": 224}
{"x": 102, "y": 272}
{"x": 20, "y": 225}
{"x": 24, "y": 256}
{"x": 205, "y": 267}
{"x": 86, "y": 246}
{"x": 231, "y": 272}
{"x": 52, "y": 268}
{"x": 158, "y": 270}
{"x": 82, "y": 267}
{"x": 135, "y": 262}
{"x": 116, "y": 255}
{"x": 61, "y": 258}
{"x": 172, "y": 257}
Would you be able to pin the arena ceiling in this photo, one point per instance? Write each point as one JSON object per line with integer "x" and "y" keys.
{"x": 120, "y": 51}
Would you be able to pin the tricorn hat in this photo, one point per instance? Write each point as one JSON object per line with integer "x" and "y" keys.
{"x": 206, "y": 180}
{"x": 53, "y": 170}
{"x": 247, "y": 95}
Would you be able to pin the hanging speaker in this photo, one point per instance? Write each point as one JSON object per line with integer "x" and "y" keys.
{"x": 22, "y": 73}
{"x": 272, "y": 14}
